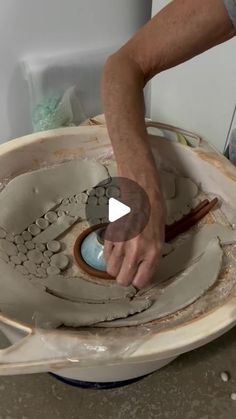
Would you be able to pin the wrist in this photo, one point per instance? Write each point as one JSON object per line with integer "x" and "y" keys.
{"x": 146, "y": 175}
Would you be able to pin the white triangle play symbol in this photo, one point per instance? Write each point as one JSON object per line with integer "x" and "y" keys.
{"x": 117, "y": 210}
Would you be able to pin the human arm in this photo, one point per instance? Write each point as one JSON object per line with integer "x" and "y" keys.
{"x": 182, "y": 30}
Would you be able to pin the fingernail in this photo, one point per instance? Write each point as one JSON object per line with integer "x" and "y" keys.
{"x": 136, "y": 284}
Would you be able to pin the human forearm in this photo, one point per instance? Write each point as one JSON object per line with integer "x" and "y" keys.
{"x": 124, "y": 109}
{"x": 180, "y": 31}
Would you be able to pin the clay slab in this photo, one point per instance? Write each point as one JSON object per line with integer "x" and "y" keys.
{"x": 184, "y": 291}
{"x": 78, "y": 289}
{"x": 191, "y": 249}
{"x": 27, "y": 301}
{"x": 35, "y": 193}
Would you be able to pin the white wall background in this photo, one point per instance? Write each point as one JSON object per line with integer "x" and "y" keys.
{"x": 53, "y": 26}
{"x": 199, "y": 95}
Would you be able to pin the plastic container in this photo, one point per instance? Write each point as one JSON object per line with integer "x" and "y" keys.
{"x": 126, "y": 352}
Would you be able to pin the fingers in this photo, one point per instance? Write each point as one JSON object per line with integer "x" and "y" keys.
{"x": 148, "y": 267}
{"x": 144, "y": 274}
{"x": 127, "y": 271}
{"x": 108, "y": 249}
{"x": 129, "y": 264}
{"x": 115, "y": 259}
{"x": 122, "y": 263}
{"x": 138, "y": 266}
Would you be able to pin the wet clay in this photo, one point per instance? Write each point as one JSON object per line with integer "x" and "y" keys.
{"x": 56, "y": 229}
{"x": 35, "y": 193}
{"x": 30, "y": 281}
{"x": 182, "y": 202}
{"x": 191, "y": 249}
{"x": 78, "y": 289}
{"x": 20, "y": 298}
{"x": 183, "y": 291}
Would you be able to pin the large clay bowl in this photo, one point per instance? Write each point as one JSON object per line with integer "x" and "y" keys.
{"x": 127, "y": 352}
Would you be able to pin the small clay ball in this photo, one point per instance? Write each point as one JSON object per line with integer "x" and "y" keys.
{"x": 61, "y": 213}
{"x": 92, "y": 200}
{"x": 46, "y": 259}
{"x": 72, "y": 200}
{"x": 65, "y": 201}
{"x": 100, "y": 191}
{"x": 54, "y": 246}
{"x": 22, "y": 248}
{"x": 48, "y": 253}
{"x": 42, "y": 223}
{"x": 60, "y": 261}
{"x": 26, "y": 236}
{"x": 103, "y": 200}
{"x": 34, "y": 229}
{"x": 40, "y": 246}
{"x": 82, "y": 198}
{"x": 35, "y": 256}
{"x": 30, "y": 245}
{"x": 22, "y": 257}
{"x": 19, "y": 240}
{"x": 44, "y": 265}
{"x": 51, "y": 216}
{"x": 113, "y": 192}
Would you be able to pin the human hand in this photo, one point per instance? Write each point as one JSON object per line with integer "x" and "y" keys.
{"x": 135, "y": 261}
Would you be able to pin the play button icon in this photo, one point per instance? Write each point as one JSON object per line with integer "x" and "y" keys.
{"x": 117, "y": 210}
{"x": 121, "y": 205}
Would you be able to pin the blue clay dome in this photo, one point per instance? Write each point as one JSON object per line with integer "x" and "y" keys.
{"x": 92, "y": 252}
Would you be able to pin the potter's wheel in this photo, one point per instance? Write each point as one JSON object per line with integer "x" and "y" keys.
{"x": 216, "y": 297}
{"x": 38, "y": 243}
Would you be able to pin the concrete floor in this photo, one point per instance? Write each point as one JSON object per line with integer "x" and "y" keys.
{"x": 189, "y": 388}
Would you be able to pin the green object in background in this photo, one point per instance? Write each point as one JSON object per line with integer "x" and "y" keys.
{"x": 54, "y": 112}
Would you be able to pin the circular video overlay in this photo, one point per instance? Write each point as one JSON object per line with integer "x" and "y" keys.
{"x": 121, "y": 203}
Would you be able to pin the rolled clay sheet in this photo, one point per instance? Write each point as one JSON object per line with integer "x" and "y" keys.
{"x": 29, "y": 196}
{"x": 189, "y": 251}
{"x": 80, "y": 290}
{"x": 25, "y": 301}
{"x": 190, "y": 286}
